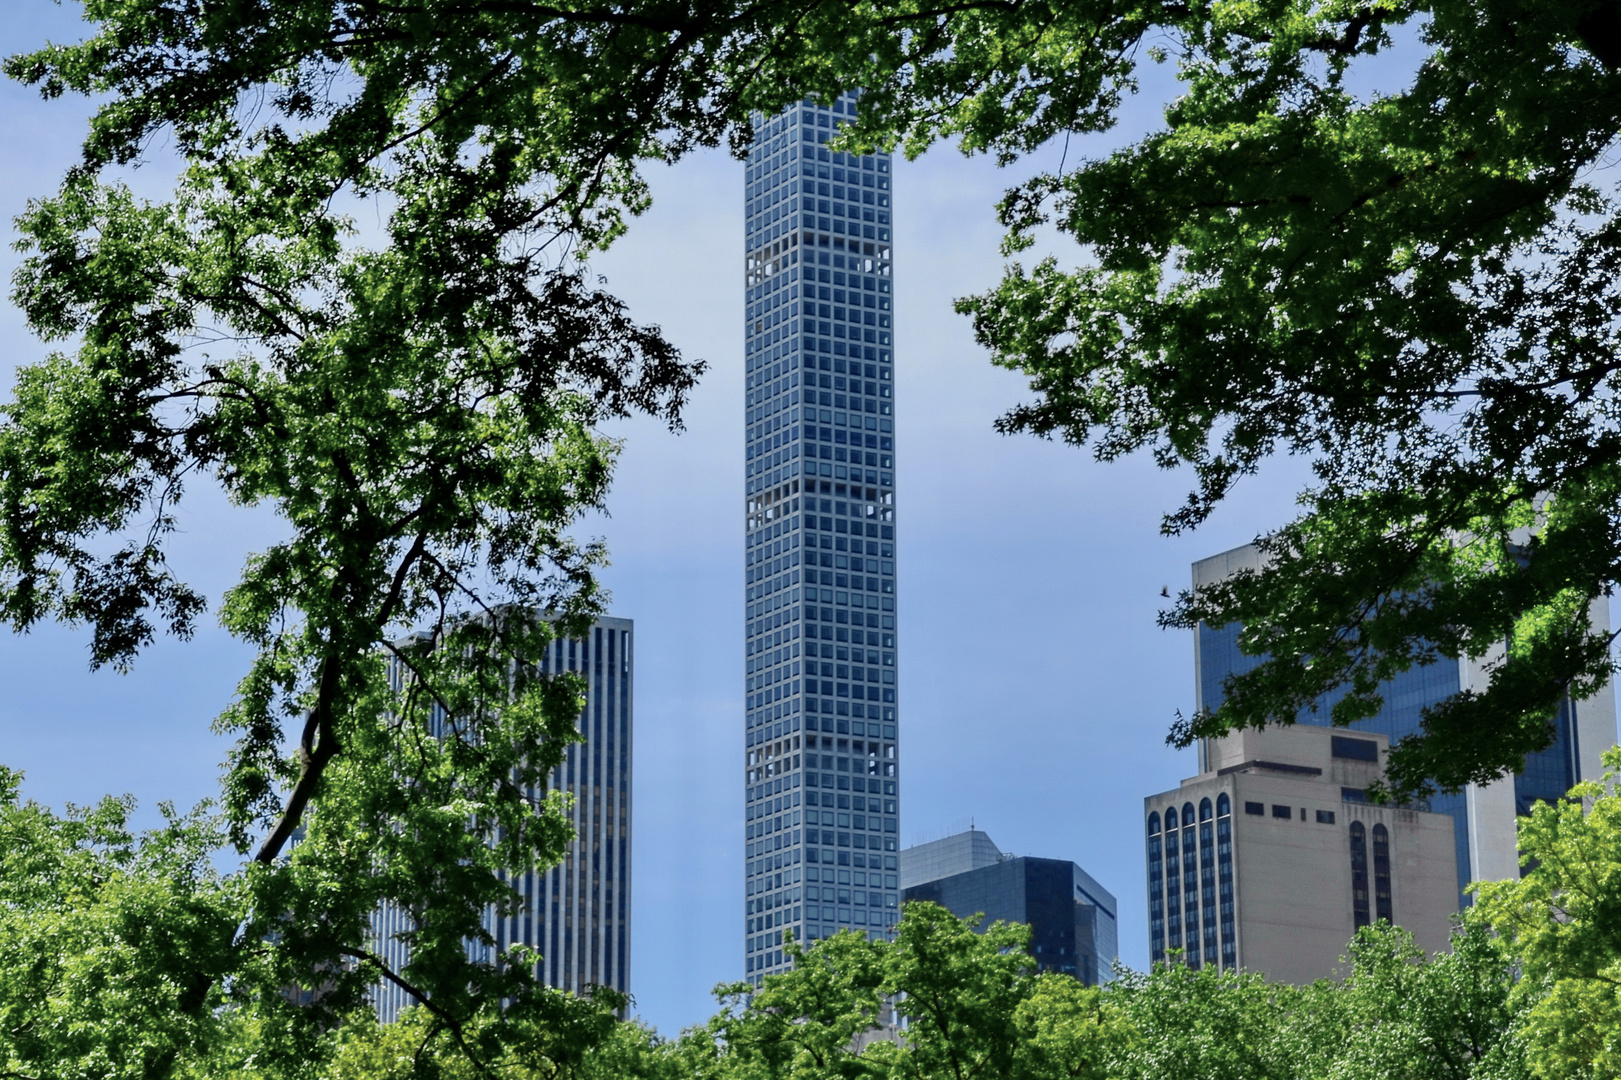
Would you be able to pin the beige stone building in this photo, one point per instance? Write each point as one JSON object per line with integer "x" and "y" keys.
{"x": 1272, "y": 858}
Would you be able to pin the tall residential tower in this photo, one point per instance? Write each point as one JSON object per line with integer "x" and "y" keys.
{"x": 821, "y": 796}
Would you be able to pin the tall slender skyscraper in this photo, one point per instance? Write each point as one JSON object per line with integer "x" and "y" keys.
{"x": 821, "y": 765}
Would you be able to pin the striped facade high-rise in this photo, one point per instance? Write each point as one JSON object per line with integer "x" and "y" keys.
{"x": 577, "y": 913}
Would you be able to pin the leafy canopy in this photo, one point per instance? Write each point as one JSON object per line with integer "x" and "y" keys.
{"x": 974, "y": 1006}
{"x": 418, "y": 405}
{"x": 1371, "y": 234}
{"x": 1410, "y": 287}
{"x": 1563, "y": 919}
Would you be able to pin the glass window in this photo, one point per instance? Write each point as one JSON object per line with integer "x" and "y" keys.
{"x": 1549, "y": 772}
{"x": 1282, "y": 811}
{"x": 1381, "y": 873}
{"x": 1156, "y": 890}
{"x": 1355, "y": 749}
{"x": 1359, "y": 875}
{"x": 1207, "y": 891}
{"x": 1173, "y": 895}
{"x": 1258, "y": 809}
{"x": 1325, "y": 817}
{"x": 1224, "y": 855}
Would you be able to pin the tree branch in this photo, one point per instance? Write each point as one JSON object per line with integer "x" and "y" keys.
{"x": 444, "y": 1017}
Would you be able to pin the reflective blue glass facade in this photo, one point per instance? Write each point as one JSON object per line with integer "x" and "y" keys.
{"x": 1547, "y": 775}
{"x": 1072, "y": 919}
{"x": 820, "y": 752}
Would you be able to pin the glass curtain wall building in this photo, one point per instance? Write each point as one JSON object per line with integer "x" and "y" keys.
{"x": 1405, "y": 698}
{"x": 1072, "y": 919}
{"x": 1484, "y": 833}
{"x": 575, "y": 914}
{"x": 821, "y": 765}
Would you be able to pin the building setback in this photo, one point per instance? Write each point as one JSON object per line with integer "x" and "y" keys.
{"x": 577, "y": 913}
{"x": 1072, "y": 919}
{"x": 1272, "y": 858}
{"x": 821, "y": 790}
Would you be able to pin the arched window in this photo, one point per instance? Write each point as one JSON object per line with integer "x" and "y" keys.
{"x": 1207, "y": 881}
{"x": 1381, "y": 874}
{"x": 1156, "y": 891}
{"x": 1190, "y": 884}
{"x": 1224, "y": 867}
{"x": 1359, "y": 875}
{"x": 1173, "y": 892}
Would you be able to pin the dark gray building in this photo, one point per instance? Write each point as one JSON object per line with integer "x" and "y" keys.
{"x": 1072, "y": 919}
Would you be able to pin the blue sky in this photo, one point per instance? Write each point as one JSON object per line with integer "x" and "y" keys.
{"x": 1035, "y": 687}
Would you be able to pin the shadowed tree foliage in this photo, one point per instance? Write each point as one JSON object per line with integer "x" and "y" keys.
{"x": 417, "y": 404}
{"x": 1375, "y": 236}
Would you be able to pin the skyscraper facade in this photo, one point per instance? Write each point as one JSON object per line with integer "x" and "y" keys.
{"x": 1072, "y": 918}
{"x": 1484, "y": 815}
{"x": 1272, "y": 857}
{"x": 821, "y": 764}
{"x": 575, "y": 914}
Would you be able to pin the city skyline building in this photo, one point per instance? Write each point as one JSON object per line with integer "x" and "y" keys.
{"x": 821, "y": 795}
{"x": 1485, "y": 841}
{"x": 1073, "y": 920}
{"x": 575, "y": 914}
{"x": 1272, "y": 857}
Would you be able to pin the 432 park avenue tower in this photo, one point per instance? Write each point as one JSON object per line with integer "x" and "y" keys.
{"x": 821, "y": 765}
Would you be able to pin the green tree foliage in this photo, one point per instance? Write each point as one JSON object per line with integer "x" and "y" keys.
{"x": 1563, "y": 918}
{"x": 104, "y": 936}
{"x": 417, "y": 404}
{"x": 579, "y": 1038}
{"x": 1411, "y": 288}
{"x": 1369, "y": 234}
{"x": 967, "y": 1005}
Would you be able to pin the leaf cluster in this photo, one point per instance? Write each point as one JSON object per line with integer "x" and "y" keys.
{"x": 1563, "y": 918}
